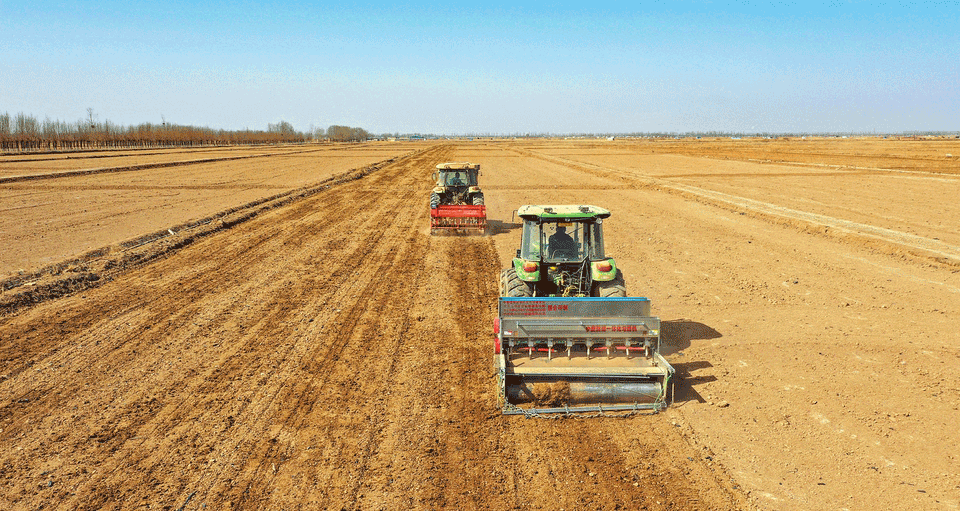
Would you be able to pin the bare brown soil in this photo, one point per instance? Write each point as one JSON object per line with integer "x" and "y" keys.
{"x": 325, "y": 352}
{"x": 65, "y": 215}
{"x": 29, "y": 166}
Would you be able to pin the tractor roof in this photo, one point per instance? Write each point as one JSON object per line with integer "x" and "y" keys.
{"x": 458, "y": 166}
{"x": 560, "y": 212}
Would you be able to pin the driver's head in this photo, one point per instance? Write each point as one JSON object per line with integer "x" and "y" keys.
{"x": 561, "y": 228}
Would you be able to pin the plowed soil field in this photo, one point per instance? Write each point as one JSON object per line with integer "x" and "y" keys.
{"x": 301, "y": 341}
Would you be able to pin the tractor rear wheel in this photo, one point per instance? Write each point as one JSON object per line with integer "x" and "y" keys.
{"x": 434, "y": 200}
{"x": 511, "y": 285}
{"x": 478, "y": 199}
{"x": 615, "y": 288}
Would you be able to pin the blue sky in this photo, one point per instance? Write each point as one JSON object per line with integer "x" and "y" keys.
{"x": 499, "y": 68}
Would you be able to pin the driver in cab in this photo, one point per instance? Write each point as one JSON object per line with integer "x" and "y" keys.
{"x": 561, "y": 241}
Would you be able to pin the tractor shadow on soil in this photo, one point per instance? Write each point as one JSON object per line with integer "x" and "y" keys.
{"x": 675, "y": 336}
{"x": 495, "y": 227}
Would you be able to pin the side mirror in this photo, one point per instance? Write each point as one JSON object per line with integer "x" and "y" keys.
{"x": 518, "y": 253}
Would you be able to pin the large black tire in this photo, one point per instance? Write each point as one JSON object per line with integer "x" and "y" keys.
{"x": 434, "y": 200}
{"x": 615, "y": 288}
{"x": 512, "y": 286}
{"x": 478, "y": 199}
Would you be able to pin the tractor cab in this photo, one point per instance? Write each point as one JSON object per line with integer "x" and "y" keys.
{"x": 457, "y": 177}
{"x": 463, "y": 177}
{"x": 561, "y": 253}
{"x": 562, "y": 241}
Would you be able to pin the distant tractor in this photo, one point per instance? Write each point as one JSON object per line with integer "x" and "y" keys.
{"x": 456, "y": 203}
{"x": 561, "y": 254}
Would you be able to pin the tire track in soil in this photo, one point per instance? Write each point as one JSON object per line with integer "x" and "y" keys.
{"x": 259, "y": 342}
{"x": 273, "y": 453}
{"x": 473, "y": 268}
{"x": 164, "y": 311}
{"x": 368, "y": 442}
{"x": 424, "y": 452}
{"x": 448, "y": 408}
{"x": 372, "y": 322}
{"x": 252, "y": 244}
{"x": 273, "y": 466}
{"x": 373, "y": 411}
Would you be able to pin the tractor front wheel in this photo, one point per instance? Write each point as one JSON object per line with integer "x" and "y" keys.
{"x": 434, "y": 200}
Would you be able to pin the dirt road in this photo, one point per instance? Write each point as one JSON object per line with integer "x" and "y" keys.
{"x": 329, "y": 353}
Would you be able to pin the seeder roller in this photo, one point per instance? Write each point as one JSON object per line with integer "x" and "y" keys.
{"x": 579, "y": 354}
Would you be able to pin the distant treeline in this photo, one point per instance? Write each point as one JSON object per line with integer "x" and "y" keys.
{"x": 22, "y": 132}
{"x": 337, "y": 133}
{"x": 26, "y": 133}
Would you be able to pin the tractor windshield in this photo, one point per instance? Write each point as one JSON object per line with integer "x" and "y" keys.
{"x": 563, "y": 241}
{"x": 459, "y": 178}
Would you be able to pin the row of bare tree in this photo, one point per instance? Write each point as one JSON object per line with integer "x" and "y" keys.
{"x": 25, "y": 133}
{"x": 337, "y": 133}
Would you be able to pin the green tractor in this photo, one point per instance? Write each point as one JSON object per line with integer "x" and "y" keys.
{"x": 561, "y": 254}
